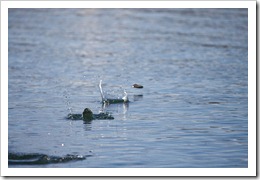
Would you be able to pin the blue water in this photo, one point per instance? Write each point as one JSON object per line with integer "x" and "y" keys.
{"x": 193, "y": 64}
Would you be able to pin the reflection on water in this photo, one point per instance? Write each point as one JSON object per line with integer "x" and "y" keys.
{"x": 138, "y": 97}
{"x": 106, "y": 107}
{"x": 192, "y": 111}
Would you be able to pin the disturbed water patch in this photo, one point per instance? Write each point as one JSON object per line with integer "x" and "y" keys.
{"x": 36, "y": 158}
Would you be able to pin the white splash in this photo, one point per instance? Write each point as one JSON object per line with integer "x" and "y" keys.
{"x": 104, "y": 99}
{"x": 125, "y": 98}
{"x": 101, "y": 91}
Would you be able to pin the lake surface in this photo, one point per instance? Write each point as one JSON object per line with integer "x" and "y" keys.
{"x": 192, "y": 111}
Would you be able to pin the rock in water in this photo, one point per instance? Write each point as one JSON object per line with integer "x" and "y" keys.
{"x": 137, "y": 86}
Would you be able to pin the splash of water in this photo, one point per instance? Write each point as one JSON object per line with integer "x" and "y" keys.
{"x": 101, "y": 91}
{"x": 106, "y": 100}
{"x": 66, "y": 96}
{"x": 125, "y": 98}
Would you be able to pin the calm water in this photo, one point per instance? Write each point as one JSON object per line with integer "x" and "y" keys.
{"x": 192, "y": 111}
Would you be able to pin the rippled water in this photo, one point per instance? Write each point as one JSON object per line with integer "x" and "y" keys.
{"x": 192, "y": 111}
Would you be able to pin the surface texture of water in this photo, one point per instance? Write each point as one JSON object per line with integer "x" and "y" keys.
{"x": 192, "y": 111}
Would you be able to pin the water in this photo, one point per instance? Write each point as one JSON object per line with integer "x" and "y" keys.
{"x": 192, "y": 111}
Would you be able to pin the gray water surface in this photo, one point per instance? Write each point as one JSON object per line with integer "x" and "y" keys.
{"x": 192, "y": 111}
